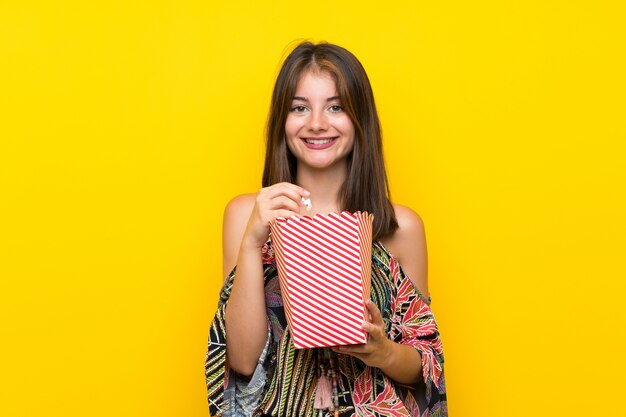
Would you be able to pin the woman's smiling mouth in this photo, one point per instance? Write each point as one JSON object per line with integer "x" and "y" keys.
{"x": 319, "y": 143}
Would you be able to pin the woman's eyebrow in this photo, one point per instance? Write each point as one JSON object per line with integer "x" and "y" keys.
{"x": 306, "y": 99}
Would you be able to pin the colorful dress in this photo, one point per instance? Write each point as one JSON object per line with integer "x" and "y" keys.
{"x": 285, "y": 379}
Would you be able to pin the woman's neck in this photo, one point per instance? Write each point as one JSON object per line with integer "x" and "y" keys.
{"x": 324, "y": 186}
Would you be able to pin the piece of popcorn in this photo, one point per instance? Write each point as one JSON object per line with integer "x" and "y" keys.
{"x": 307, "y": 203}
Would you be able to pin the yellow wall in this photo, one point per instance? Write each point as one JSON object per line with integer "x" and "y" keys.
{"x": 127, "y": 126}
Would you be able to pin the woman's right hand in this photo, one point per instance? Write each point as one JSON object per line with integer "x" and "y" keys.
{"x": 279, "y": 200}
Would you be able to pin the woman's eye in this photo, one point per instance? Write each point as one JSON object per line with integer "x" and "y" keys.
{"x": 335, "y": 108}
{"x": 298, "y": 109}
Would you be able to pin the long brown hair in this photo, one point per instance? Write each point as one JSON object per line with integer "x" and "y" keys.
{"x": 366, "y": 187}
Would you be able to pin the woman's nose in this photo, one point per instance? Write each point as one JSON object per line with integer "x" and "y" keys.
{"x": 318, "y": 121}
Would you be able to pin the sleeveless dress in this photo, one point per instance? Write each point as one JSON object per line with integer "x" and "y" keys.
{"x": 285, "y": 379}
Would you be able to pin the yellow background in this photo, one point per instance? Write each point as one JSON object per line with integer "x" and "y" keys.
{"x": 127, "y": 126}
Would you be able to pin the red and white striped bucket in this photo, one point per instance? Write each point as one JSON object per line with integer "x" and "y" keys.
{"x": 324, "y": 267}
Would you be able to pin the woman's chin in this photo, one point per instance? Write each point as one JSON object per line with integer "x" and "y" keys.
{"x": 320, "y": 164}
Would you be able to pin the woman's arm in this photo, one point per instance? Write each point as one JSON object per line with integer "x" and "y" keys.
{"x": 245, "y": 316}
{"x": 247, "y": 289}
{"x": 399, "y": 362}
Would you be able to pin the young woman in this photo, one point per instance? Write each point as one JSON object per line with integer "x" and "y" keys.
{"x": 324, "y": 144}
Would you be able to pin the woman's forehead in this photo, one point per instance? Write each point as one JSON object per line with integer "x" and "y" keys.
{"x": 315, "y": 81}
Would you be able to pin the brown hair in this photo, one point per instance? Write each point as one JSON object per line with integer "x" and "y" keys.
{"x": 366, "y": 187}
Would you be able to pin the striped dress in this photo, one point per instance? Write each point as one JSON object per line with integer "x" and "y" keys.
{"x": 285, "y": 379}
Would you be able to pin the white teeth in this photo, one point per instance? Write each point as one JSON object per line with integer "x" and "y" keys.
{"x": 317, "y": 141}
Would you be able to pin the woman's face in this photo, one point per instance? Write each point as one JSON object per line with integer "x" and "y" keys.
{"x": 319, "y": 132}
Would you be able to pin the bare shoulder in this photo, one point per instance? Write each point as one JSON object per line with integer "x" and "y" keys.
{"x": 236, "y": 215}
{"x": 241, "y": 204}
{"x": 408, "y": 246}
{"x": 408, "y": 220}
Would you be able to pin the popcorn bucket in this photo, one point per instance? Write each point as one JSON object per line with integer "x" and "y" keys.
{"x": 324, "y": 267}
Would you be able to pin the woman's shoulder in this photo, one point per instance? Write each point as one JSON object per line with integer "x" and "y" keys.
{"x": 241, "y": 202}
{"x": 406, "y": 216}
{"x": 408, "y": 246}
{"x": 237, "y": 213}
{"x": 410, "y": 228}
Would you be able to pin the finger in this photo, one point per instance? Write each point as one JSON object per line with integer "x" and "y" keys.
{"x": 294, "y": 192}
{"x": 377, "y": 318}
{"x": 374, "y": 333}
{"x": 284, "y": 202}
{"x": 353, "y": 349}
{"x": 265, "y": 205}
{"x": 276, "y": 197}
{"x": 368, "y": 327}
{"x": 283, "y": 213}
{"x": 360, "y": 356}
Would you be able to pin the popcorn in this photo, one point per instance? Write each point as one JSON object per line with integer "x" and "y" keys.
{"x": 307, "y": 203}
{"x": 324, "y": 268}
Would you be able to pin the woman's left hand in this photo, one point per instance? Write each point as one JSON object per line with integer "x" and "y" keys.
{"x": 377, "y": 350}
